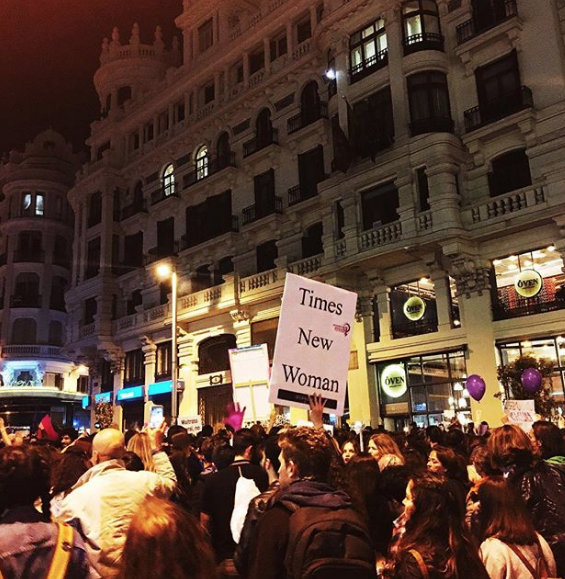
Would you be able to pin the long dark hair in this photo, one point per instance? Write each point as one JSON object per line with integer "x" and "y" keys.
{"x": 453, "y": 463}
{"x": 550, "y": 439}
{"x": 437, "y": 531}
{"x": 503, "y": 513}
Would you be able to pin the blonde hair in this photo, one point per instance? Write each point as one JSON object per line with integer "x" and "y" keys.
{"x": 141, "y": 445}
{"x": 386, "y": 445}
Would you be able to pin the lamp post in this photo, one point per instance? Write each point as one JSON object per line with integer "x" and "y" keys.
{"x": 166, "y": 271}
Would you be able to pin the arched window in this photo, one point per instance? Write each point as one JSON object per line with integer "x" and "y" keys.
{"x": 202, "y": 163}
{"x": 264, "y": 128}
{"x": 213, "y": 354}
{"x": 56, "y": 333}
{"x": 223, "y": 150}
{"x": 24, "y": 331}
{"x": 169, "y": 186}
{"x": 510, "y": 171}
{"x": 421, "y": 26}
{"x": 310, "y": 103}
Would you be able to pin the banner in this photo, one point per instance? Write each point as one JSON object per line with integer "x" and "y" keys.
{"x": 313, "y": 344}
{"x": 193, "y": 424}
{"x": 522, "y": 413}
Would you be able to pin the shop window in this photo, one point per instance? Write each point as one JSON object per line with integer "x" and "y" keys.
{"x": 312, "y": 243}
{"x": 551, "y": 349}
{"x": 95, "y": 209}
{"x": 134, "y": 368}
{"x": 372, "y": 124}
{"x": 425, "y": 389}
{"x": 267, "y": 253}
{"x": 423, "y": 189}
{"x": 206, "y": 35}
{"x": 379, "y": 206}
{"x": 24, "y": 331}
{"x": 213, "y": 354}
{"x": 368, "y": 50}
{"x": 202, "y": 163}
{"x": 421, "y": 26}
{"x": 528, "y": 283}
{"x": 414, "y": 309}
{"x": 278, "y": 46}
{"x": 265, "y": 332}
{"x": 168, "y": 181}
{"x": 163, "y": 360}
{"x": 430, "y": 110}
{"x": 303, "y": 31}
{"x": 510, "y": 171}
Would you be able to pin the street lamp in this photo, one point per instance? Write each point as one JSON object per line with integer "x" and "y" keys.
{"x": 164, "y": 271}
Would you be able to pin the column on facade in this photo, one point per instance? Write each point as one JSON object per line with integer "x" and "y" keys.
{"x": 80, "y": 256}
{"x": 341, "y": 57}
{"x": 393, "y": 19}
{"x": 443, "y": 298}
{"x": 215, "y": 28}
{"x": 149, "y": 350}
{"x": 188, "y": 372}
{"x": 351, "y": 225}
{"x": 381, "y": 291}
{"x": 445, "y": 200}
{"x": 246, "y": 69}
{"x": 329, "y": 230}
{"x": 313, "y": 16}
{"x": 406, "y": 212}
{"x": 473, "y": 288}
{"x": 117, "y": 366}
{"x": 226, "y": 92}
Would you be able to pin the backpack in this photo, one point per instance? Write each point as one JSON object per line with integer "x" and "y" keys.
{"x": 328, "y": 544}
{"x": 245, "y": 491}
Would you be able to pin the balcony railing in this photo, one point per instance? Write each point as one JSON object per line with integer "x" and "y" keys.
{"x": 407, "y": 329}
{"x": 23, "y": 301}
{"x": 383, "y": 235}
{"x": 504, "y": 106}
{"x": 163, "y": 194}
{"x": 29, "y": 256}
{"x": 188, "y": 241}
{"x": 133, "y": 209}
{"x": 423, "y": 41}
{"x": 368, "y": 66}
{"x": 470, "y": 28}
{"x": 214, "y": 165}
{"x": 527, "y": 307}
{"x": 431, "y": 125}
{"x": 30, "y": 350}
{"x": 255, "y": 212}
{"x": 306, "y": 265}
{"x": 256, "y": 144}
{"x": 307, "y": 117}
{"x": 157, "y": 253}
{"x": 300, "y": 193}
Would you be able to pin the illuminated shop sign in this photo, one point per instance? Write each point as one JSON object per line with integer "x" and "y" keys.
{"x": 160, "y": 388}
{"x": 126, "y": 394}
{"x": 103, "y": 397}
{"x": 393, "y": 380}
{"x": 528, "y": 283}
{"x": 85, "y": 402}
{"x": 414, "y": 308}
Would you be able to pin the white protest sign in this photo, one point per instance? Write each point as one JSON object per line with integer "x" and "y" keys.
{"x": 522, "y": 413}
{"x": 193, "y": 424}
{"x": 250, "y": 378}
{"x": 313, "y": 343}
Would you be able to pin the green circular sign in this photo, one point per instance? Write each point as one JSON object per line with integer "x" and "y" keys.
{"x": 414, "y": 308}
{"x": 528, "y": 283}
{"x": 393, "y": 380}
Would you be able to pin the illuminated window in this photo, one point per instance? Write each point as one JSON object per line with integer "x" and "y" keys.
{"x": 202, "y": 163}
{"x": 421, "y": 26}
{"x": 40, "y": 204}
{"x": 27, "y": 202}
{"x": 368, "y": 48}
{"x": 169, "y": 186}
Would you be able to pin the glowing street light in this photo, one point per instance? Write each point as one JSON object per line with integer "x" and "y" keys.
{"x": 166, "y": 271}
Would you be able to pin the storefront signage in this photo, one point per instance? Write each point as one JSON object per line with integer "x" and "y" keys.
{"x": 313, "y": 344}
{"x": 85, "y": 402}
{"x": 103, "y": 397}
{"x": 160, "y": 388}
{"x": 393, "y": 380}
{"x": 528, "y": 283}
{"x": 126, "y": 394}
{"x": 192, "y": 424}
{"x": 414, "y": 308}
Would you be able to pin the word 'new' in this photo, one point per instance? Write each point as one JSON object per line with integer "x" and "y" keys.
{"x": 314, "y": 341}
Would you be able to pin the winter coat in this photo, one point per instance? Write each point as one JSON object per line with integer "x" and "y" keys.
{"x": 103, "y": 502}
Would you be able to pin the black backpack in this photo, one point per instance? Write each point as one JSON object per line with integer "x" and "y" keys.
{"x": 328, "y": 544}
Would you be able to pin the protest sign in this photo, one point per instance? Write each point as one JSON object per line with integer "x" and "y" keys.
{"x": 193, "y": 424}
{"x": 313, "y": 342}
{"x": 250, "y": 378}
{"x": 522, "y": 413}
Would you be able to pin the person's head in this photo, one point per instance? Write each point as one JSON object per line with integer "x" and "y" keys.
{"x": 141, "y": 445}
{"x": 362, "y": 479}
{"x": 68, "y": 470}
{"x": 68, "y": 436}
{"x": 510, "y": 446}
{"x": 483, "y": 429}
{"x": 434, "y": 435}
{"x": 181, "y": 441}
{"x": 547, "y": 439}
{"x": 244, "y": 442}
{"x": 381, "y": 444}
{"x": 503, "y": 513}
{"x": 163, "y": 540}
{"x": 349, "y": 449}
{"x": 25, "y": 476}
{"x": 305, "y": 453}
{"x": 223, "y": 455}
{"x": 108, "y": 444}
{"x": 481, "y": 460}
{"x": 271, "y": 452}
{"x": 132, "y": 461}
{"x": 445, "y": 461}
{"x": 207, "y": 430}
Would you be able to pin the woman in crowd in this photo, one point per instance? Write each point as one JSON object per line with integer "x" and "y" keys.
{"x": 164, "y": 541}
{"x": 362, "y": 483}
{"x": 541, "y": 485}
{"x": 445, "y": 461}
{"x": 141, "y": 445}
{"x": 510, "y": 548}
{"x": 65, "y": 473}
{"x": 349, "y": 449}
{"x": 548, "y": 441}
{"x": 435, "y": 543}
{"x": 385, "y": 451}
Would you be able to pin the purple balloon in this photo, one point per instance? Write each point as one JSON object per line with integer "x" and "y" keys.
{"x": 476, "y": 387}
{"x": 531, "y": 380}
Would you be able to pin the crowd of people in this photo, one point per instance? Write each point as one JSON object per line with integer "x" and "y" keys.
{"x": 290, "y": 503}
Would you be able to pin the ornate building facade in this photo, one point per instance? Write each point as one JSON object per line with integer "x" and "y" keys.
{"x": 409, "y": 151}
{"x": 36, "y": 235}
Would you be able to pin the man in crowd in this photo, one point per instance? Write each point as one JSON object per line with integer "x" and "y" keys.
{"x": 105, "y": 498}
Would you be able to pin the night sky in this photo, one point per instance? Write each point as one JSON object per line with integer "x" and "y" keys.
{"x": 49, "y": 53}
